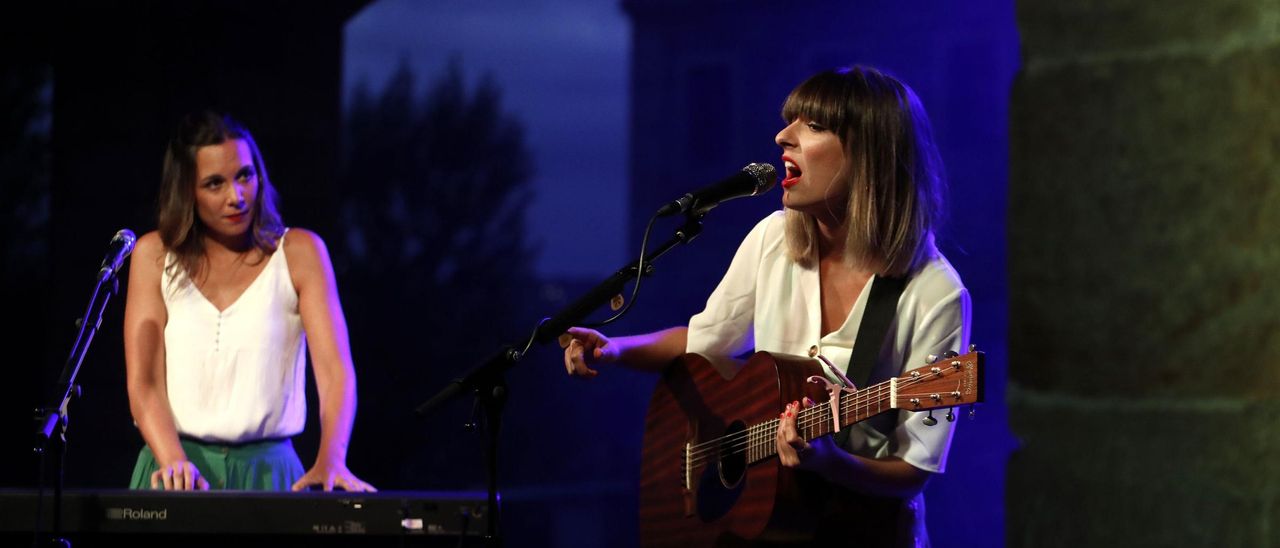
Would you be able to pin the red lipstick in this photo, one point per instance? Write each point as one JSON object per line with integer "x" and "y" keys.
{"x": 793, "y": 172}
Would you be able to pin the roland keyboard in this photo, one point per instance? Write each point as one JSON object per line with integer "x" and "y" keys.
{"x": 413, "y": 518}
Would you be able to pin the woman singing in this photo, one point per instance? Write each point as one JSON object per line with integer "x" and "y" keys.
{"x": 862, "y": 195}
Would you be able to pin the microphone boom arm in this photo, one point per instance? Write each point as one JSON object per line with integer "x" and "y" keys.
{"x": 487, "y": 380}
{"x": 599, "y": 295}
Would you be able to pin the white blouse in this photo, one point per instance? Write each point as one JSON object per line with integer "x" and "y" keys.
{"x": 238, "y": 374}
{"x": 768, "y": 302}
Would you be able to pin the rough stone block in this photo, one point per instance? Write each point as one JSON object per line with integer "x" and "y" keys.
{"x": 1144, "y": 227}
{"x": 1149, "y": 473}
{"x": 1066, "y": 32}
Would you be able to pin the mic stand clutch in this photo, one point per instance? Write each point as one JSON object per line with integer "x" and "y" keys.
{"x": 53, "y": 416}
{"x": 488, "y": 383}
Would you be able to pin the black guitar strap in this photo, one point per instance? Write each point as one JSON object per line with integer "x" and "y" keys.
{"x": 876, "y": 319}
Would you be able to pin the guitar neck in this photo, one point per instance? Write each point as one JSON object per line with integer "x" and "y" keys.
{"x": 945, "y": 383}
{"x": 815, "y": 422}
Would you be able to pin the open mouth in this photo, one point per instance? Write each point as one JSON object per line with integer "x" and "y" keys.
{"x": 793, "y": 173}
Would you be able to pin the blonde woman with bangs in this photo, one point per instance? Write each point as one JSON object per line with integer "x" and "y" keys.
{"x": 862, "y": 196}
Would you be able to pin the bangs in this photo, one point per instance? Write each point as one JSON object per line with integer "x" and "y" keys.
{"x": 895, "y": 180}
{"x": 822, "y": 98}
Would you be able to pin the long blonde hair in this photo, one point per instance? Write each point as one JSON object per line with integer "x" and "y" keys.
{"x": 896, "y": 181}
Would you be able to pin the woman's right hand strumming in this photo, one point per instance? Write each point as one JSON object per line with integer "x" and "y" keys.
{"x": 583, "y": 346}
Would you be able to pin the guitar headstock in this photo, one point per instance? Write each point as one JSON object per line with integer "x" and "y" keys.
{"x": 948, "y": 381}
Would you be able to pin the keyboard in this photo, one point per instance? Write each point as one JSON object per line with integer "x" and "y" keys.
{"x": 227, "y": 517}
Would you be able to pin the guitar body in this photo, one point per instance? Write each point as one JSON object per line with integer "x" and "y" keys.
{"x": 728, "y": 500}
{"x": 710, "y": 475}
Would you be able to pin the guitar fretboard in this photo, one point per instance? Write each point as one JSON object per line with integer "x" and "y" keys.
{"x": 816, "y": 421}
{"x": 916, "y": 391}
{"x": 759, "y": 441}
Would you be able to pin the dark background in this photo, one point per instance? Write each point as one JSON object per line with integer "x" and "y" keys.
{"x": 435, "y": 274}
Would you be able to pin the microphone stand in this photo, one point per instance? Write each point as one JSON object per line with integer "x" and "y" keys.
{"x": 488, "y": 383}
{"x": 53, "y": 416}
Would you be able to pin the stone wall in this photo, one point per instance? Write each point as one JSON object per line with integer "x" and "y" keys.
{"x": 1144, "y": 268}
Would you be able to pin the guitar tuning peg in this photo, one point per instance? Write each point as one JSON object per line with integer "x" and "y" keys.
{"x": 950, "y": 354}
{"x": 973, "y": 411}
{"x": 973, "y": 347}
{"x": 929, "y": 420}
{"x": 951, "y": 416}
{"x": 931, "y": 358}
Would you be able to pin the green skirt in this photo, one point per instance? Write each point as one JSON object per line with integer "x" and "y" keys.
{"x": 270, "y": 465}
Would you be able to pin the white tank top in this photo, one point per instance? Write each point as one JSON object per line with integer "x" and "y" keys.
{"x": 237, "y": 375}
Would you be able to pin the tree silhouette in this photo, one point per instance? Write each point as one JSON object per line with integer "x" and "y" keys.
{"x": 434, "y": 264}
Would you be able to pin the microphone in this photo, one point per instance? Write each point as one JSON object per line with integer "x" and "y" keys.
{"x": 121, "y": 246}
{"x": 752, "y": 180}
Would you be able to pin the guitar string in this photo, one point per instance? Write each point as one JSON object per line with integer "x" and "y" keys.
{"x": 762, "y": 438}
{"x": 766, "y": 432}
{"x": 862, "y": 399}
{"x": 869, "y": 395}
{"x": 865, "y": 397}
{"x": 763, "y": 435}
{"x": 807, "y": 418}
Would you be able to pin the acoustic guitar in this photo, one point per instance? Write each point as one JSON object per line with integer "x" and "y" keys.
{"x": 709, "y": 471}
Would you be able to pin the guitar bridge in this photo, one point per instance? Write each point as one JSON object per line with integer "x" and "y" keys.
{"x": 686, "y": 474}
{"x": 686, "y": 468}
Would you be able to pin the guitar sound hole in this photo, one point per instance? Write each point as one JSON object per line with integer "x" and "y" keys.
{"x": 733, "y": 454}
{"x": 720, "y": 483}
